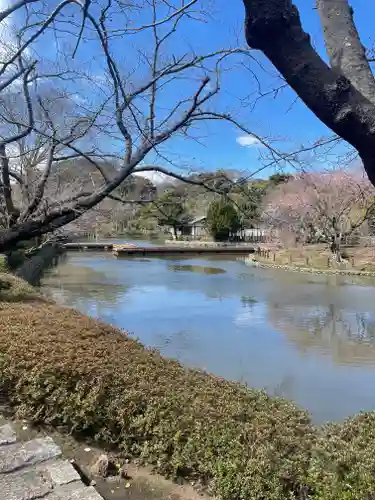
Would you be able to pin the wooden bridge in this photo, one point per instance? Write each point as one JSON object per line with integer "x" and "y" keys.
{"x": 120, "y": 250}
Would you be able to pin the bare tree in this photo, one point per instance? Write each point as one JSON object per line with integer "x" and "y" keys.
{"x": 341, "y": 94}
{"x": 124, "y": 108}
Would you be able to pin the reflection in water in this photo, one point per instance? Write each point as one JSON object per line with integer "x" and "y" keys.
{"x": 248, "y": 301}
{"x": 88, "y": 290}
{"x": 196, "y": 269}
{"x": 308, "y": 338}
{"x": 347, "y": 336}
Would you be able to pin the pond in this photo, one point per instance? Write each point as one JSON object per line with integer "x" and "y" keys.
{"x": 307, "y": 338}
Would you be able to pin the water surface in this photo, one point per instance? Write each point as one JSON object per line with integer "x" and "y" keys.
{"x": 308, "y": 338}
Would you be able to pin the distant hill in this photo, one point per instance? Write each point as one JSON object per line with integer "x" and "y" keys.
{"x": 70, "y": 178}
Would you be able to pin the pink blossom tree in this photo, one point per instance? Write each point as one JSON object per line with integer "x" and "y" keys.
{"x": 324, "y": 206}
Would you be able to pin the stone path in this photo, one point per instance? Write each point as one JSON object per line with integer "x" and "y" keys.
{"x": 35, "y": 469}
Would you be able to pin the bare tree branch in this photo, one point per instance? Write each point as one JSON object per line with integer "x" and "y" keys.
{"x": 41, "y": 186}
{"x": 30, "y": 115}
{"x": 37, "y": 34}
{"x": 17, "y": 5}
{"x": 155, "y": 23}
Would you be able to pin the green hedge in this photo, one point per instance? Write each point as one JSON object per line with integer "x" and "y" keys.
{"x": 65, "y": 369}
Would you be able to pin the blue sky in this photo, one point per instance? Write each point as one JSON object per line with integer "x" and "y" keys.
{"x": 281, "y": 117}
{"x": 284, "y": 119}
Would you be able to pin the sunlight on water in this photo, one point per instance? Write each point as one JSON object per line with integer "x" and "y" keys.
{"x": 307, "y": 338}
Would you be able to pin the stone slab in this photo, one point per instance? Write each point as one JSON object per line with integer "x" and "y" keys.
{"x": 74, "y": 491}
{"x": 32, "y": 484}
{"x": 27, "y": 484}
{"x": 61, "y": 472}
{"x": 36, "y": 470}
{"x": 7, "y": 434}
{"x": 19, "y": 455}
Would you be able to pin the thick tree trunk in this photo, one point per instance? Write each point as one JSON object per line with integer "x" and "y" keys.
{"x": 274, "y": 27}
{"x": 34, "y": 228}
{"x": 34, "y": 268}
{"x": 344, "y": 48}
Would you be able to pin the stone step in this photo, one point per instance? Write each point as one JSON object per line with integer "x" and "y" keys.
{"x": 35, "y": 469}
{"x": 33, "y": 484}
{"x": 74, "y": 492}
{"x": 18, "y": 455}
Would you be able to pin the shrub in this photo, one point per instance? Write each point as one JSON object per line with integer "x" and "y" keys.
{"x": 343, "y": 460}
{"x": 13, "y": 289}
{"x": 62, "y": 368}
{"x": 66, "y": 369}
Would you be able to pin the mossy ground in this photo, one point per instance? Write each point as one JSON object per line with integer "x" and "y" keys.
{"x": 64, "y": 369}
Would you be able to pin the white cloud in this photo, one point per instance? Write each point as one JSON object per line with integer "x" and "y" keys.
{"x": 248, "y": 141}
{"x": 78, "y": 99}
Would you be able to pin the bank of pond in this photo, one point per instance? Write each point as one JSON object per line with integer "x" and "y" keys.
{"x": 67, "y": 370}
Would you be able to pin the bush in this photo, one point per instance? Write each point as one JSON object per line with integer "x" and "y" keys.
{"x": 343, "y": 460}
{"x": 69, "y": 370}
{"x": 13, "y": 289}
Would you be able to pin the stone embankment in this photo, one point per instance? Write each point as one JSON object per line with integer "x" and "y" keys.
{"x": 250, "y": 261}
{"x": 214, "y": 244}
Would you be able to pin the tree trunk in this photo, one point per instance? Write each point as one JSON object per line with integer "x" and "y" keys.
{"x": 336, "y": 246}
{"x": 274, "y": 27}
{"x": 34, "y": 268}
{"x": 344, "y": 48}
{"x": 9, "y": 238}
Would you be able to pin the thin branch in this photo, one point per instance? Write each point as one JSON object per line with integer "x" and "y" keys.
{"x": 169, "y": 173}
{"x": 12, "y": 78}
{"x": 33, "y": 37}
{"x": 154, "y": 24}
{"x": 29, "y": 106}
{"x": 84, "y": 17}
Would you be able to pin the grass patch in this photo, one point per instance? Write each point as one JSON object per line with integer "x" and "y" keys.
{"x": 62, "y": 368}
{"x": 316, "y": 257}
{"x": 320, "y": 257}
{"x": 343, "y": 462}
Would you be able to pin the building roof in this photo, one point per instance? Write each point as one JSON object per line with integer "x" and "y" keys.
{"x": 198, "y": 219}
